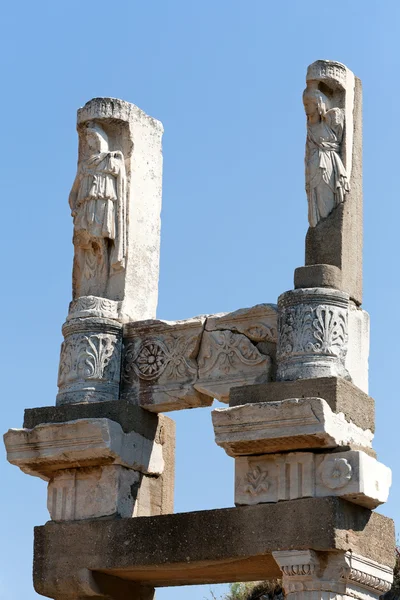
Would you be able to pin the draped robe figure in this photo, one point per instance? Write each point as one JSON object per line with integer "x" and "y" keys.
{"x": 326, "y": 177}
{"x": 98, "y": 208}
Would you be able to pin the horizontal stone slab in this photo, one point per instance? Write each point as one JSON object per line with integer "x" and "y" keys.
{"x": 87, "y": 442}
{"x": 293, "y": 424}
{"x": 130, "y": 416}
{"x": 274, "y": 477}
{"x": 341, "y": 395}
{"x": 216, "y": 546}
{"x": 173, "y": 365}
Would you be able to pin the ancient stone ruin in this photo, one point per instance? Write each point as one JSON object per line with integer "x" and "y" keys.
{"x": 299, "y": 422}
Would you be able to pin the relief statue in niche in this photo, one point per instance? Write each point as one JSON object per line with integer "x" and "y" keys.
{"x": 326, "y": 177}
{"x": 98, "y": 207}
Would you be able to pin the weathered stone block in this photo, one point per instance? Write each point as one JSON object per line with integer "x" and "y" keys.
{"x": 184, "y": 364}
{"x": 356, "y": 361}
{"x": 323, "y": 576}
{"x": 315, "y": 276}
{"x": 341, "y": 395}
{"x": 227, "y": 359}
{"x": 215, "y": 546}
{"x": 89, "y": 493}
{"x": 88, "y": 442}
{"x": 130, "y": 416}
{"x": 273, "y": 477}
{"x": 293, "y": 424}
{"x": 159, "y": 364}
{"x": 313, "y": 334}
{"x": 90, "y": 361}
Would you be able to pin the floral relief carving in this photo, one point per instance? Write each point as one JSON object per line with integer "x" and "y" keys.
{"x": 257, "y": 481}
{"x": 335, "y": 473}
{"x": 94, "y": 304}
{"x": 88, "y": 357}
{"x": 226, "y": 350}
{"x": 317, "y": 330}
{"x": 153, "y": 357}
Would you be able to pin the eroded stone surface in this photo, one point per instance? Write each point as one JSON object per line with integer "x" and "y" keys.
{"x": 184, "y": 364}
{"x": 313, "y": 334}
{"x": 87, "y": 442}
{"x": 228, "y": 359}
{"x": 324, "y": 576}
{"x": 160, "y": 364}
{"x": 90, "y": 361}
{"x": 273, "y": 477}
{"x": 292, "y": 424}
{"x": 117, "y": 251}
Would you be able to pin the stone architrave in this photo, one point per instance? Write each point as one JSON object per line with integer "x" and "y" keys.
{"x": 115, "y": 203}
{"x": 313, "y": 334}
{"x": 159, "y": 367}
{"x": 293, "y": 424}
{"x": 352, "y": 475}
{"x": 332, "y": 575}
{"x": 333, "y": 105}
{"x": 90, "y": 361}
{"x": 171, "y": 365}
{"x": 52, "y": 447}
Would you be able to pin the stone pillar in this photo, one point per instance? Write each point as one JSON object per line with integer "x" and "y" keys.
{"x": 129, "y": 141}
{"x": 309, "y": 575}
{"x": 115, "y": 203}
{"x": 335, "y": 236}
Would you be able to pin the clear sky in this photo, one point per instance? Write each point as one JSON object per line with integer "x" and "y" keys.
{"x": 226, "y": 78}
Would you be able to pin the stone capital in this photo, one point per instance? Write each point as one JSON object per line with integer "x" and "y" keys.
{"x": 328, "y": 575}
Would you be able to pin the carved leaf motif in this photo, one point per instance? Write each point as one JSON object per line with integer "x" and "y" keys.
{"x": 330, "y": 329}
{"x": 256, "y": 481}
{"x": 87, "y": 357}
{"x": 227, "y": 350}
{"x": 320, "y": 330}
{"x": 97, "y": 355}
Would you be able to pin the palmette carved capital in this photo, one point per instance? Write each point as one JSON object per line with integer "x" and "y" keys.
{"x": 312, "y": 334}
{"x": 90, "y": 361}
{"x": 329, "y": 576}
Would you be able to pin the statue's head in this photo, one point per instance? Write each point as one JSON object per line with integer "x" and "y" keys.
{"x": 96, "y": 138}
{"x": 315, "y": 102}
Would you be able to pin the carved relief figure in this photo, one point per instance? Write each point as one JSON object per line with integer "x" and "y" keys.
{"x": 98, "y": 206}
{"x": 326, "y": 177}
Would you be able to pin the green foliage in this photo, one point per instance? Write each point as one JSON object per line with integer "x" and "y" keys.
{"x": 255, "y": 590}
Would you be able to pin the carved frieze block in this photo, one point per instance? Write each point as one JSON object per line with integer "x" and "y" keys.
{"x": 159, "y": 367}
{"x": 169, "y": 365}
{"x": 90, "y": 361}
{"x": 312, "y": 334}
{"x": 288, "y": 425}
{"x": 273, "y": 477}
{"x": 228, "y": 359}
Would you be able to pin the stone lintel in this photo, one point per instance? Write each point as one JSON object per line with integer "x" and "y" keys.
{"x": 216, "y": 546}
{"x": 341, "y": 395}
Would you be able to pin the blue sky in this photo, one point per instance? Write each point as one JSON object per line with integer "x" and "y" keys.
{"x": 226, "y": 79}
